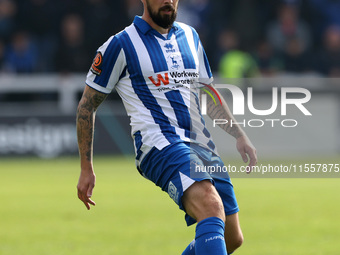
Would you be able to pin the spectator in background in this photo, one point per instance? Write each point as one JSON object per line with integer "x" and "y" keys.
{"x": 245, "y": 20}
{"x": 2, "y": 52}
{"x": 287, "y": 26}
{"x": 234, "y": 62}
{"x": 72, "y": 53}
{"x": 288, "y": 35}
{"x": 268, "y": 62}
{"x": 22, "y": 54}
{"x": 7, "y": 21}
{"x": 2, "y": 55}
{"x": 295, "y": 57}
{"x": 133, "y": 7}
{"x": 102, "y": 22}
{"x": 40, "y": 18}
{"x": 196, "y": 13}
{"x": 71, "y": 6}
{"x": 325, "y": 13}
{"x": 328, "y": 60}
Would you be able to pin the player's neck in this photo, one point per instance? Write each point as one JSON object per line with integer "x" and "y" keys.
{"x": 159, "y": 29}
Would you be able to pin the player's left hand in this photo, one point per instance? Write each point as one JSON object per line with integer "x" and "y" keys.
{"x": 246, "y": 149}
{"x": 85, "y": 187}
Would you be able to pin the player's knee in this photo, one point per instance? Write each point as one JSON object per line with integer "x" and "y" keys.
{"x": 202, "y": 201}
{"x": 235, "y": 243}
{"x": 212, "y": 204}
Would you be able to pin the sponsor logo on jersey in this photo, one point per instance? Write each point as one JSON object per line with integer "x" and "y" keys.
{"x": 97, "y": 63}
{"x": 184, "y": 78}
{"x": 169, "y": 48}
{"x": 160, "y": 79}
{"x": 172, "y": 191}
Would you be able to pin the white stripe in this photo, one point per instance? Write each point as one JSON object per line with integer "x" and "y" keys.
{"x": 186, "y": 181}
{"x": 117, "y": 70}
{"x": 97, "y": 87}
{"x": 190, "y": 38}
{"x": 204, "y": 76}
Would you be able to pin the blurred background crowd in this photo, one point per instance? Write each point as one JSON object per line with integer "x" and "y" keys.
{"x": 242, "y": 38}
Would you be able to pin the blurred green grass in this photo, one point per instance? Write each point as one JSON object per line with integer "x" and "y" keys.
{"x": 41, "y": 214}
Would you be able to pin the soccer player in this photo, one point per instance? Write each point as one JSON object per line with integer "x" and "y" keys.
{"x": 157, "y": 66}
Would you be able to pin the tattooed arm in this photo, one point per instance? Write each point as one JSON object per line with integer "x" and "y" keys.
{"x": 243, "y": 144}
{"x": 86, "y": 111}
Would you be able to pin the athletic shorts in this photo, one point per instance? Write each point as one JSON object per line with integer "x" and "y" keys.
{"x": 173, "y": 170}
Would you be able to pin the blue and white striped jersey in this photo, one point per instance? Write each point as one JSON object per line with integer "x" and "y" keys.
{"x": 157, "y": 78}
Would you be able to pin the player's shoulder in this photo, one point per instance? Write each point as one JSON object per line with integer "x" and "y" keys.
{"x": 189, "y": 32}
{"x": 124, "y": 36}
{"x": 185, "y": 27}
{"x": 114, "y": 41}
{"x": 118, "y": 36}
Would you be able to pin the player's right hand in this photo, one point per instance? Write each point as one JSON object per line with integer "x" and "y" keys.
{"x": 246, "y": 149}
{"x": 85, "y": 187}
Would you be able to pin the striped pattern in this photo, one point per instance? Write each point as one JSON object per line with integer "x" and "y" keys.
{"x": 156, "y": 78}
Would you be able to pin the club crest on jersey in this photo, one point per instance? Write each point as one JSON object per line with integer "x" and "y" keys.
{"x": 169, "y": 47}
{"x": 175, "y": 60}
{"x": 97, "y": 63}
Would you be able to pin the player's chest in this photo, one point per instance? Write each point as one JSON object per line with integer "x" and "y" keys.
{"x": 159, "y": 56}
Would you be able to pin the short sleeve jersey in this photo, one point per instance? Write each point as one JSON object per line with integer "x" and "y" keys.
{"x": 157, "y": 79}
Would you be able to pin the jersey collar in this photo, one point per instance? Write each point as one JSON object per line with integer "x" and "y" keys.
{"x": 145, "y": 28}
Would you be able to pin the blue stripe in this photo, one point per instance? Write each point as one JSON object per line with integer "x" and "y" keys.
{"x": 196, "y": 38}
{"x": 197, "y": 41}
{"x": 181, "y": 111}
{"x": 206, "y": 63}
{"x": 109, "y": 60}
{"x": 211, "y": 145}
{"x": 205, "y": 130}
{"x": 138, "y": 144}
{"x": 156, "y": 55}
{"x": 142, "y": 91}
{"x": 183, "y": 45}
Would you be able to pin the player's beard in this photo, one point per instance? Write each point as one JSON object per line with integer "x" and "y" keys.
{"x": 164, "y": 21}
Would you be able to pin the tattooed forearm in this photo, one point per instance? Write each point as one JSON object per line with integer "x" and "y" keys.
{"x": 85, "y": 123}
{"x": 87, "y": 107}
{"x": 222, "y": 112}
